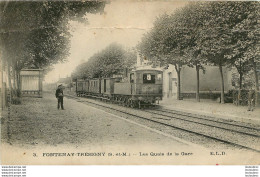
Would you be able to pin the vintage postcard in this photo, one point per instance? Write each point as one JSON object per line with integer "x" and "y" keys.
{"x": 130, "y": 82}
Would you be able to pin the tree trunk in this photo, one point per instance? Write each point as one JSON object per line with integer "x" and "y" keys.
{"x": 15, "y": 80}
{"x": 222, "y": 84}
{"x": 179, "y": 85}
{"x": 2, "y": 79}
{"x": 240, "y": 71}
{"x": 178, "y": 71}
{"x": 256, "y": 83}
{"x": 18, "y": 84}
{"x": 9, "y": 80}
{"x": 198, "y": 83}
{"x": 18, "y": 80}
{"x": 240, "y": 79}
{"x": 240, "y": 86}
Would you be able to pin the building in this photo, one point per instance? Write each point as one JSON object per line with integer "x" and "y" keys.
{"x": 210, "y": 82}
{"x": 31, "y": 82}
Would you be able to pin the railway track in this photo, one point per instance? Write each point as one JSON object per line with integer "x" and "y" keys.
{"x": 209, "y": 118}
{"x": 187, "y": 126}
{"x": 245, "y": 130}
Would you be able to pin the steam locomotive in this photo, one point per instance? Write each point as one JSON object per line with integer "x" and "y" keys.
{"x": 140, "y": 87}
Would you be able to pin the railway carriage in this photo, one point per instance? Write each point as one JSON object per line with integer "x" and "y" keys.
{"x": 95, "y": 86}
{"x": 82, "y": 87}
{"x": 107, "y": 86}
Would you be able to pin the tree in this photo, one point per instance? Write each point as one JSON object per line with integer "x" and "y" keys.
{"x": 246, "y": 37}
{"x": 218, "y": 33}
{"x": 111, "y": 60}
{"x": 192, "y": 24}
{"x": 36, "y": 33}
{"x": 165, "y": 43}
{"x": 222, "y": 40}
{"x": 214, "y": 36}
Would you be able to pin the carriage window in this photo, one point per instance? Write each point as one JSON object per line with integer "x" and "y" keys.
{"x": 159, "y": 77}
{"x": 148, "y": 78}
{"x": 132, "y": 78}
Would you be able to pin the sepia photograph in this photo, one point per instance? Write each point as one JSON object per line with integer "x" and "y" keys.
{"x": 130, "y": 82}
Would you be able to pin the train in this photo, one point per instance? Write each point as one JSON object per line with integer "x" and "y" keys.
{"x": 141, "y": 87}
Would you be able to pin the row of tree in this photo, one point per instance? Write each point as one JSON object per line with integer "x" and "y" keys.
{"x": 215, "y": 33}
{"x": 114, "y": 59}
{"x": 36, "y": 34}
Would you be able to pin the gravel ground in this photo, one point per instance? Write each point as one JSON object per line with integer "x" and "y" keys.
{"x": 214, "y": 132}
{"x": 37, "y": 126}
{"x": 37, "y": 121}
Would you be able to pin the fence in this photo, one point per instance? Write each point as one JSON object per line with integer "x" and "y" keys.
{"x": 237, "y": 97}
{"x": 209, "y": 95}
{"x": 240, "y": 97}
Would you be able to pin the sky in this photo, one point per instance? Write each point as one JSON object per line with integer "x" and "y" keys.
{"x": 123, "y": 23}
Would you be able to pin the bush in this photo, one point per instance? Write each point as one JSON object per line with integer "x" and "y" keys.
{"x": 16, "y": 100}
{"x": 16, "y": 92}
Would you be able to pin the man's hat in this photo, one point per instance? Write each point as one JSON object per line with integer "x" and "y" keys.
{"x": 60, "y": 85}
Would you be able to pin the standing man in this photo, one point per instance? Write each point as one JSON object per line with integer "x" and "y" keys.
{"x": 59, "y": 96}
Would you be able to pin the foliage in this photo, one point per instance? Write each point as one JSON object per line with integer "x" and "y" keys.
{"x": 218, "y": 33}
{"x": 227, "y": 33}
{"x": 36, "y": 33}
{"x": 112, "y": 60}
{"x": 173, "y": 39}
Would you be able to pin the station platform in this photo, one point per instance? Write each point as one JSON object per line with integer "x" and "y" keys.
{"x": 213, "y": 109}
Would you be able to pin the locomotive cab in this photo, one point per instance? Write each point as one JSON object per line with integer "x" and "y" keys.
{"x": 141, "y": 87}
{"x": 146, "y": 84}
